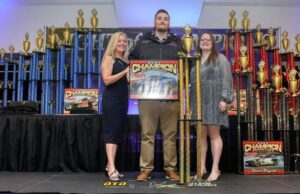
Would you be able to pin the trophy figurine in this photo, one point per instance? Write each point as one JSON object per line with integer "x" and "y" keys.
{"x": 232, "y": 20}
{"x": 39, "y": 41}
{"x": 261, "y": 74}
{"x": 259, "y": 35}
{"x": 187, "y": 40}
{"x": 67, "y": 34}
{"x": 80, "y": 20}
{"x": 293, "y": 82}
{"x": 94, "y": 20}
{"x": 297, "y": 45}
{"x": 26, "y": 44}
{"x": 285, "y": 41}
{"x": 52, "y": 38}
{"x": 271, "y": 39}
{"x": 245, "y": 21}
{"x": 2, "y": 52}
{"x": 244, "y": 60}
{"x": 277, "y": 78}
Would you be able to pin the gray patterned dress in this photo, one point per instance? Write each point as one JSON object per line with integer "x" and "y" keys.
{"x": 216, "y": 85}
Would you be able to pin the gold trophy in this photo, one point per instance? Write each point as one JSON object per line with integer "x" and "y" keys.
{"x": 277, "y": 78}
{"x": 94, "y": 20}
{"x": 293, "y": 82}
{"x": 52, "y": 38}
{"x": 261, "y": 74}
{"x": 2, "y": 52}
{"x": 297, "y": 45}
{"x": 244, "y": 60}
{"x": 245, "y": 21}
{"x": 67, "y": 34}
{"x": 259, "y": 35}
{"x": 285, "y": 41}
{"x": 271, "y": 38}
{"x": 232, "y": 20}
{"x": 187, "y": 40}
{"x": 26, "y": 44}
{"x": 39, "y": 41}
{"x": 80, "y": 20}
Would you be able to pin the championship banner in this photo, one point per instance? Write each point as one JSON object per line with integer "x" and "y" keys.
{"x": 80, "y": 99}
{"x": 154, "y": 79}
{"x": 263, "y": 157}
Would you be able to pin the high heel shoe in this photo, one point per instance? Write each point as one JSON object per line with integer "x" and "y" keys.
{"x": 204, "y": 172}
{"x": 214, "y": 177}
{"x": 114, "y": 176}
{"x": 120, "y": 175}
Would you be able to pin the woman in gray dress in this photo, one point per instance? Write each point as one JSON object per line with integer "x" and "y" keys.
{"x": 216, "y": 94}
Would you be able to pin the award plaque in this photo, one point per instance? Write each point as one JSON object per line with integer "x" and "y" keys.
{"x": 154, "y": 79}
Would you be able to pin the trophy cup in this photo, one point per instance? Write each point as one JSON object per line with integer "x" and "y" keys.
{"x": 297, "y": 45}
{"x": 187, "y": 40}
{"x": 2, "y": 53}
{"x": 261, "y": 74}
{"x": 94, "y": 20}
{"x": 26, "y": 44}
{"x": 293, "y": 82}
{"x": 80, "y": 20}
{"x": 285, "y": 41}
{"x": 277, "y": 78}
{"x": 52, "y": 38}
{"x": 39, "y": 40}
{"x": 245, "y": 21}
{"x": 244, "y": 60}
{"x": 259, "y": 35}
{"x": 271, "y": 38}
{"x": 232, "y": 21}
{"x": 66, "y": 34}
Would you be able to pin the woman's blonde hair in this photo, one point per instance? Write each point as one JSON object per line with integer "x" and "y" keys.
{"x": 111, "y": 47}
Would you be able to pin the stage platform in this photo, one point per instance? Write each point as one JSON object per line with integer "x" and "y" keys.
{"x": 68, "y": 182}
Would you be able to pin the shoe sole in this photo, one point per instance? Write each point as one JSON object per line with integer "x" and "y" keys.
{"x": 144, "y": 180}
{"x": 167, "y": 177}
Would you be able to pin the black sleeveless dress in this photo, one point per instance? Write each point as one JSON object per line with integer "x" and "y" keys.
{"x": 115, "y": 106}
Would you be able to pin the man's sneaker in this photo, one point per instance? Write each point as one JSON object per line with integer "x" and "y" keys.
{"x": 144, "y": 176}
{"x": 172, "y": 175}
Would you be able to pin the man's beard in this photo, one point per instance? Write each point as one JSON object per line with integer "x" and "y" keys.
{"x": 161, "y": 30}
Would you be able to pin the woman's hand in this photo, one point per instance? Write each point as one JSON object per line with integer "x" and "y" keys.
{"x": 223, "y": 106}
{"x": 127, "y": 73}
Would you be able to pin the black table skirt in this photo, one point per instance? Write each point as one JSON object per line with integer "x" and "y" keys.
{"x": 74, "y": 143}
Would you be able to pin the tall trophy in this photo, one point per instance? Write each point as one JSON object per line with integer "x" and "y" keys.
{"x": 2, "y": 53}
{"x": 80, "y": 20}
{"x": 26, "y": 44}
{"x": 261, "y": 74}
{"x": 293, "y": 83}
{"x": 245, "y": 21}
{"x": 297, "y": 45}
{"x": 39, "y": 41}
{"x": 244, "y": 59}
{"x": 94, "y": 20}
{"x": 285, "y": 41}
{"x": 277, "y": 78}
{"x": 187, "y": 40}
{"x": 52, "y": 38}
{"x": 271, "y": 38}
{"x": 232, "y": 20}
{"x": 67, "y": 34}
{"x": 259, "y": 35}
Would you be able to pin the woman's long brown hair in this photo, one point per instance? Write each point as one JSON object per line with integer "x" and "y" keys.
{"x": 214, "y": 53}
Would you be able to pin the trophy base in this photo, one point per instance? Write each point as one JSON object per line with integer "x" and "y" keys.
{"x": 67, "y": 45}
{"x": 286, "y": 52}
{"x": 26, "y": 54}
{"x": 52, "y": 48}
{"x": 272, "y": 48}
{"x": 39, "y": 52}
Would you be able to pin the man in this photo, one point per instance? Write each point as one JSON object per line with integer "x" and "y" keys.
{"x": 158, "y": 45}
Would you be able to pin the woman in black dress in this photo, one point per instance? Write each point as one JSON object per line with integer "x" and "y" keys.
{"x": 115, "y": 97}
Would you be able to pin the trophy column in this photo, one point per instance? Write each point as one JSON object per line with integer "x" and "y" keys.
{"x": 185, "y": 108}
{"x": 3, "y": 65}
